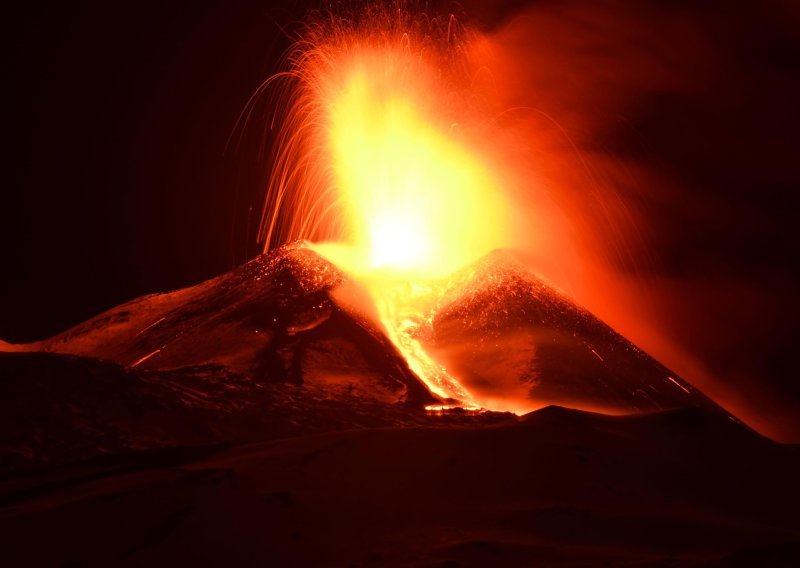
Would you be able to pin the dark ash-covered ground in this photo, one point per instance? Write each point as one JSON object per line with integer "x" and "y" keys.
{"x": 556, "y": 488}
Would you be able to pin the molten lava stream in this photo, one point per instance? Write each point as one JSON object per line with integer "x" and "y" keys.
{"x": 404, "y": 308}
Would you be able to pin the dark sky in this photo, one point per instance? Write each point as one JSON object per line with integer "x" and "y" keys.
{"x": 118, "y": 184}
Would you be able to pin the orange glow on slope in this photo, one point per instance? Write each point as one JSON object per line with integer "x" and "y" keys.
{"x": 380, "y": 163}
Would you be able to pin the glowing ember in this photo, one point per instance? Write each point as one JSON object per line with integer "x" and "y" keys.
{"x": 379, "y": 159}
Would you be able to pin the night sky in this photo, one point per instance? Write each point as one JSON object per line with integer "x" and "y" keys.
{"x": 118, "y": 182}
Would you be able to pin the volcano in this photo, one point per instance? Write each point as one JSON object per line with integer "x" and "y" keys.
{"x": 288, "y": 318}
{"x": 264, "y": 416}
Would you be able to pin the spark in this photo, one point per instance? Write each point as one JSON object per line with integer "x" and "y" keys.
{"x": 145, "y": 358}
{"x": 679, "y": 385}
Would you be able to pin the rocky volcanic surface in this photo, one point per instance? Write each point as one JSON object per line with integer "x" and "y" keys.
{"x": 259, "y": 419}
{"x": 507, "y": 335}
{"x": 273, "y": 319}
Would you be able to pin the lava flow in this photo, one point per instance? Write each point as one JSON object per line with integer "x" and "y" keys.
{"x": 380, "y": 162}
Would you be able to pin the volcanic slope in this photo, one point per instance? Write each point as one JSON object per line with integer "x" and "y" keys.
{"x": 514, "y": 340}
{"x": 274, "y": 319}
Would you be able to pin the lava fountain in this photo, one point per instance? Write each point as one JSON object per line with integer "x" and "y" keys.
{"x": 381, "y": 160}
